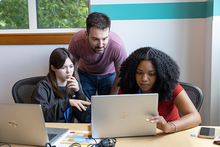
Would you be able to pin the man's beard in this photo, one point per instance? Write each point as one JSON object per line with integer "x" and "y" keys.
{"x": 97, "y": 51}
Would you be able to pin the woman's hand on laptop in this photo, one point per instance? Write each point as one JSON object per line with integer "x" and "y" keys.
{"x": 79, "y": 104}
{"x": 162, "y": 124}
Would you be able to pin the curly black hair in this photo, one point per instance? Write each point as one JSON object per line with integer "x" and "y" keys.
{"x": 167, "y": 72}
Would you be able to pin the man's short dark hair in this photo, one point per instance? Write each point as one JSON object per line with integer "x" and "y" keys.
{"x": 98, "y": 20}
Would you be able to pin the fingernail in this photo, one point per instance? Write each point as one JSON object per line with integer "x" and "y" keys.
{"x": 147, "y": 119}
{"x": 152, "y": 121}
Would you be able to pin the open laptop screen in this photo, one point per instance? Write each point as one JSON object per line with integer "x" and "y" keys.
{"x": 24, "y": 124}
{"x": 123, "y": 115}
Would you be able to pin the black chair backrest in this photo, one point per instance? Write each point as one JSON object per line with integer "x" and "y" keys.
{"x": 194, "y": 93}
{"x": 22, "y": 89}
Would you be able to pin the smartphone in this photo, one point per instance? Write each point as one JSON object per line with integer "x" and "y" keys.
{"x": 206, "y": 132}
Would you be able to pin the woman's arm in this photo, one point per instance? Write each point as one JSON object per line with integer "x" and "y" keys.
{"x": 52, "y": 108}
{"x": 79, "y": 101}
{"x": 190, "y": 116}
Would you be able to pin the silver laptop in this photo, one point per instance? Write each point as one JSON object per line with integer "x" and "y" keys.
{"x": 24, "y": 124}
{"x": 123, "y": 115}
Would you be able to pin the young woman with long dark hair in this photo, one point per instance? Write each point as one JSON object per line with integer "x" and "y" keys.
{"x": 60, "y": 94}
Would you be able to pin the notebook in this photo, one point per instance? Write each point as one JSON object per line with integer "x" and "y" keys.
{"x": 24, "y": 124}
{"x": 123, "y": 115}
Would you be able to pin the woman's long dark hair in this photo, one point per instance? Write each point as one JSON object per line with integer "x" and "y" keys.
{"x": 167, "y": 72}
{"x": 57, "y": 59}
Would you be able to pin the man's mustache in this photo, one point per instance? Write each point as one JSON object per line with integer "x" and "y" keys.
{"x": 97, "y": 47}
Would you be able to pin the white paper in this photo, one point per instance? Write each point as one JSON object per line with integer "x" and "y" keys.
{"x": 74, "y": 136}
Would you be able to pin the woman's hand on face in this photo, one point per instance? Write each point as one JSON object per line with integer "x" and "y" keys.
{"x": 73, "y": 84}
{"x": 79, "y": 104}
{"x": 162, "y": 124}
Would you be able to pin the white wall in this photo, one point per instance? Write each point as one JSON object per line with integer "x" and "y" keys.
{"x": 207, "y": 70}
{"x": 182, "y": 39}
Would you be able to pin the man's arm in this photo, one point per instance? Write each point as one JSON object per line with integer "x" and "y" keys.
{"x": 115, "y": 87}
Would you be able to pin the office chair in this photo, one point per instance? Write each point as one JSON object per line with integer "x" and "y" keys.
{"x": 22, "y": 89}
{"x": 194, "y": 93}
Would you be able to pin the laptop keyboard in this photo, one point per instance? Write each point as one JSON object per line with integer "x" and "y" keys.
{"x": 51, "y": 136}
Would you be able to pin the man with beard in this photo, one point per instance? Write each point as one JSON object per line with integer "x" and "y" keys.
{"x": 98, "y": 52}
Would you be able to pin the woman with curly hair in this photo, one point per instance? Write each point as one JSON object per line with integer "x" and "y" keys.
{"x": 148, "y": 70}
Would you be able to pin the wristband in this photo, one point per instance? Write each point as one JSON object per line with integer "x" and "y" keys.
{"x": 174, "y": 126}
